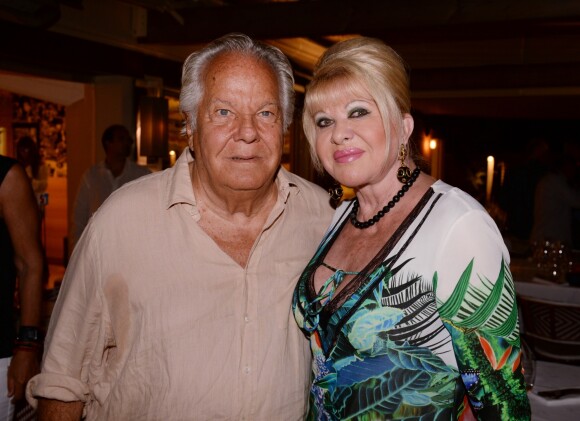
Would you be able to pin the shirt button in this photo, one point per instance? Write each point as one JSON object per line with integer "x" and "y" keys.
{"x": 247, "y": 370}
{"x": 246, "y": 319}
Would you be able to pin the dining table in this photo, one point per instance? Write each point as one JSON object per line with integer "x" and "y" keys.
{"x": 562, "y": 293}
{"x": 564, "y": 403}
{"x": 561, "y": 382}
{"x": 528, "y": 283}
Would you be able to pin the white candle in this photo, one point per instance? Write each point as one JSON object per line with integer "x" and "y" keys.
{"x": 489, "y": 184}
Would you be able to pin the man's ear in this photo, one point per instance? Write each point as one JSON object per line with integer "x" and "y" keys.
{"x": 188, "y": 130}
{"x": 187, "y": 124}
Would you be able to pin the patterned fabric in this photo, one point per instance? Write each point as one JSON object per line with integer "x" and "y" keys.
{"x": 428, "y": 331}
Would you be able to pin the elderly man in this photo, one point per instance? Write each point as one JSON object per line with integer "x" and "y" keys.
{"x": 176, "y": 303}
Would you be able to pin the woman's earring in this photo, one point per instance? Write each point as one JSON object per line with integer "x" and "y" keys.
{"x": 404, "y": 172}
{"x": 336, "y": 192}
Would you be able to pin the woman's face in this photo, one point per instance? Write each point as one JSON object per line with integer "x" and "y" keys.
{"x": 350, "y": 138}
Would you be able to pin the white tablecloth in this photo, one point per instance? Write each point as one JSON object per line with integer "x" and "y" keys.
{"x": 551, "y": 376}
{"x": 538, "y": 288}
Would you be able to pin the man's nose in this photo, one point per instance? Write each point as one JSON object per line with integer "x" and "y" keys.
{"x": 247, "y": 130}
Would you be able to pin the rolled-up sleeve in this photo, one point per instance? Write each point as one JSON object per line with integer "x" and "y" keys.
{"x": 79, "y": 336}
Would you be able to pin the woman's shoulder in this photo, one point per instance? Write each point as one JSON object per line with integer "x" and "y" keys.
{"x": 455, "y": 198}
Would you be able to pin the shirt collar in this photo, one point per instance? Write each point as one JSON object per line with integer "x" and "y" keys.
{"x": 286, "y": 186}
{"x": 179, "y": 188}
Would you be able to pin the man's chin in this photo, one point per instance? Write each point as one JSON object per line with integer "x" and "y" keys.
{"x": 250, "y": 175}
{"x": 242, "y": 181}
{"x": 248, "y": 186}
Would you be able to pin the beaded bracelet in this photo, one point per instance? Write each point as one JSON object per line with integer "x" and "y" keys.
{"x": 25, "y": 349}
{"x": 27, "y": 346}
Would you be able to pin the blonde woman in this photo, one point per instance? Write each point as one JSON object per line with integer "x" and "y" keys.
{"x": 408, "y": 303}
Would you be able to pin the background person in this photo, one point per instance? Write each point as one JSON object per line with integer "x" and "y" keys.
{"x": 105, "y": 177}
{"x": 21, "y": 258}
{"x": 176, "y": 302}
{"x": 29, "y": 157}
{"x": 408, "y": 301}
{"x": 516, "y": 197}
{"x": 555, "y": 199}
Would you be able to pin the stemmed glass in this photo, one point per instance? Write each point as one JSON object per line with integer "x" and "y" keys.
{"x": 551, "y": 260}
{"x": 528, "y": 364}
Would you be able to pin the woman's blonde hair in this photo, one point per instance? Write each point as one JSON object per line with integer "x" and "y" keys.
{"x": 350, "y": 64}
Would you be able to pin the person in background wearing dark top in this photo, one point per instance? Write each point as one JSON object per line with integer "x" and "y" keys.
{"x": 105, "y": 177}
{"x": 21, "y": 259}
{"x": 408, "y": 302}
{"x": 555, "y": 199}
{"x": 516, "y": 197}
{"x": 29, "y": 158}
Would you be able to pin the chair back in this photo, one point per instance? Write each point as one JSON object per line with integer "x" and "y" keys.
{"x": 552, "y": 329}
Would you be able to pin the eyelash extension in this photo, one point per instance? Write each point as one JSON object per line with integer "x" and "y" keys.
{"x": 359, "y": 111}
{"x": 323, "y": 122}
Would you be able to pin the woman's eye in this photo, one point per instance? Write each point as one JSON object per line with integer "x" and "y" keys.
{"x": 323, "y": 122}
{"x": 223, "y": 112}
{"x": 266, "y": 114}
{"x": 358, "y": 112}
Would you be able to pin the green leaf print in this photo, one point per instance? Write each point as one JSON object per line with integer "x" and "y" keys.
{"x": 365, "y": 330}
{"x": 387, "y": 396}
{"x": 485, "y": 333}
{"x": 450, "y": 308}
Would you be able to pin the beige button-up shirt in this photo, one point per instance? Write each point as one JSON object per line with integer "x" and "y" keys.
{"x": 97, "y": 184}
{"x": 155, "y": 322}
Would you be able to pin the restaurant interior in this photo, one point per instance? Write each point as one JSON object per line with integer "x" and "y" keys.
{"x": 489, "y": 80}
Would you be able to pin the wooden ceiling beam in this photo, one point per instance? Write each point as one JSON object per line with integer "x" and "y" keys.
{"x": 529, "y": 76}
{"x": 50, "y": 54}
{"x": 527, "y": 107}
{"x": 331, "y": 17}
{"x": 45, "y": 53}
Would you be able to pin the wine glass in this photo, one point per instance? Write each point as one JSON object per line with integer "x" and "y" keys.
{"x": 528, "y": 364}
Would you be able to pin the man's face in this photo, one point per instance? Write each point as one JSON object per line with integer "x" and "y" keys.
{"x": 120, "y": 144}
{"x": 238, "y": 141}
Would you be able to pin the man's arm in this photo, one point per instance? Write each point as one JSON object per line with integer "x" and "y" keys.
{"x": 53, "y": 410}
{"x": 19, "y": 209}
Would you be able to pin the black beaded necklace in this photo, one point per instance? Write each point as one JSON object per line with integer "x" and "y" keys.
{"x": 386, "y": 208}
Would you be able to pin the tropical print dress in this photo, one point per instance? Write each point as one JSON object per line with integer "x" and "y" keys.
{"x": 427, "y": 331}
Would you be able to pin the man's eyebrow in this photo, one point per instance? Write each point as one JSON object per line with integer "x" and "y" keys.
{"x": 218, "y": 101}
{"x": 269, "y": 103}
{"x": 215, "y": 101}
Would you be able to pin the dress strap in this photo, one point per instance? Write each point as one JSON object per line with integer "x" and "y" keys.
{"x": 326, "y": 291}
{"x": 338, "y": 270}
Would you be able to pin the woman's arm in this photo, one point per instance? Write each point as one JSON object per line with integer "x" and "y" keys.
{"x": 476, "y": 300}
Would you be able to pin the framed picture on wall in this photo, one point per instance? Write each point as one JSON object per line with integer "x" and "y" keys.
{"x": 19, "y": 130}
